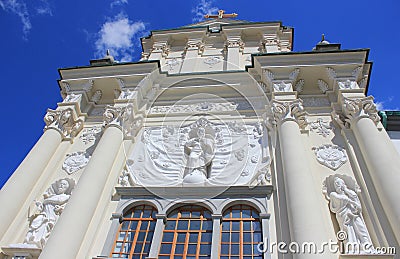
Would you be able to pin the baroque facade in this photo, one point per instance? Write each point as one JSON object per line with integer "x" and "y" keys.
{"x": 220, "y": 142}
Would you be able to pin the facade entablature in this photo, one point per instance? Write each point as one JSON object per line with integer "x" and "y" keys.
{"x": 313, "y": 72}
{"x": 203, "y": 49}
{"x": 119, "y": 81}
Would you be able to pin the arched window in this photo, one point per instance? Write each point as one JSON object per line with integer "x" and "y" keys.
{"x": 240, "y": 233}
{"x": 135, "y": 233}
{"x": 187, "y": 234}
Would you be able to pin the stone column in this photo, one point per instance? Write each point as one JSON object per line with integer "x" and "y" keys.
{"x": 68, "y": 234}
{"x": 216, "y": 237}
{"x": 191, "y": 55}
{"x": 60, "y": 125}
{"x": 157, "y": 237}
{"x": 234, "y": 46}
{"x": 380, "y": 155}
{"x": 304, "y": 208}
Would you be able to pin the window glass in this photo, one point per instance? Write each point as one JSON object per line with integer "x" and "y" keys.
{"x": 135, "y": 233}
{"x": 240, "y": 233}
{"x": 187, "y": 233}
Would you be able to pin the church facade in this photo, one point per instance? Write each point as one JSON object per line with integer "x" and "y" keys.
{"x": 221, "y": 142}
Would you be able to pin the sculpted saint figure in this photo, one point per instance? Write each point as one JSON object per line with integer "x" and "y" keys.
{"x": 347, "y": 207}
{"x": 199, "y": 152}
{"x": 42, "y": 223}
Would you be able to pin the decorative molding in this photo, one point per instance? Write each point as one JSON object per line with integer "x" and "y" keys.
{"x": 356, "y": 72}
{"x": 323, "y": 86}
{"x": 72, "y": 98}
{"x": 280, "y": 111}
{"x": 121, "y": 82}
{"x": 171, "y": 63}
{"x": 285, "y": 83}
{"x": 347, "y": 84}
{"x": 43, "y": 220}
{"x": 321, "y": 127}
{"x": 331, "y": 73}
{"x": 190, "y": 108}
{"x": 299, "y": 86}
{"x": 356, "y": 108}
{"x": 89, "y": 134}
{"x": 96, "y": 96}
{"x": 88, "y": 86}
{"x": 64, "y": 122}
{"x": 127, "y": 94}
{"x": 363, "y": 82}
{"x": 211, "y": 61}
{"x": 75, "y": 161}
{"x": 330, "y": 155}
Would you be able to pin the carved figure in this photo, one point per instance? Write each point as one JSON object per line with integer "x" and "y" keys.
{"x": 345, "y": 204}
{"x": 199, "y": 152}
{"x": 42, "y": 223}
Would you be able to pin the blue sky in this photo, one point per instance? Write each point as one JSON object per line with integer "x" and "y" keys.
{"x": 40, "y": 36}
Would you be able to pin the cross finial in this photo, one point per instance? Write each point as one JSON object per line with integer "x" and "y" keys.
{"x": 221, "y": 14}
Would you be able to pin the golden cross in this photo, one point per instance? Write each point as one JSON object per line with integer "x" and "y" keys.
{"x": 221, "y": 14}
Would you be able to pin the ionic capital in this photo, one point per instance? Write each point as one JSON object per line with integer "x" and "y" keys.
{"x": 280, "y": 111}
{"x": 64, "y": 121}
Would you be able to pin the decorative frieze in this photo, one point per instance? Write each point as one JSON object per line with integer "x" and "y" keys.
{"x": 330, "y": 155}
{"x": 64, "y": 122}
{"x": 315, "y": 101}
{"x": 299, "y": 86}
{"x": 194, "y": 108}
{"x": 172, "y": 63}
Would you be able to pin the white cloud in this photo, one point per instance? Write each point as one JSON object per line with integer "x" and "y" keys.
{"x": 202, "y": 8}
{"x": 20, "y": 9}
{"x": 118, "y": 2}
{"x": 379, "y": 106}
{"x": 44, "y": 8}
{"x": 118, "y": 35}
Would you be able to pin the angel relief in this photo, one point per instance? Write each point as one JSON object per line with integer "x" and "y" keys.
{"x": 202, "y": 153}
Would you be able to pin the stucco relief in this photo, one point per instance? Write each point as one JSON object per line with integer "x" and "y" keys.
{"x": 321, "y": 127}
{"x": 199, "y": 153}
{"x": 42, "y": 222}
{"x": 89, "y": 134}
{"x": 75, "y": 161}
{"x": 330, "y": 155}
{"x": 197, "y": 107}
{"x": 342, "y": 193}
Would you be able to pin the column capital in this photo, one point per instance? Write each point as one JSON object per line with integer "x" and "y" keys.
{"x": 235, "y": 42}
{"x": 281, "y": 111}
{"x": 161, "y": 47}
{"x": 354, "y": 109}
{"x": 64, "y": 121}
{"x": 122, "y": 117}
{"x": 195, "y": 45}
